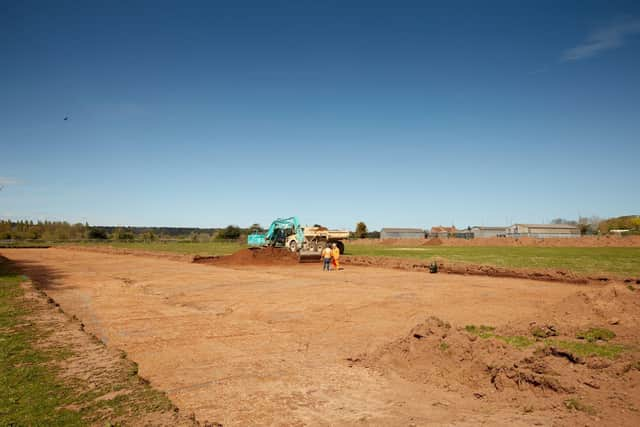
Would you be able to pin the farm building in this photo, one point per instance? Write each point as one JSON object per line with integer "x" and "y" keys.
{"x": 543, "y": 230}
{"x": 489, "y": 231}
{"x": 441, "y": 231}
{"x": 401, "y": 233}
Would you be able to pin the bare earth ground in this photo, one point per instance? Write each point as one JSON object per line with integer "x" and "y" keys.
{"x": 291, "y": 345}
{"x": 101, "y": 368}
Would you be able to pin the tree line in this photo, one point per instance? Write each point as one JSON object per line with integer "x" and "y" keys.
{"x": 65, "y": 231}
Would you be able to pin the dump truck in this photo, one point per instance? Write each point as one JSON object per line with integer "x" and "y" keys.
{"x": 307, "y": 241}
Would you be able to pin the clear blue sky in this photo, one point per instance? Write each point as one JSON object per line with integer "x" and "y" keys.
{"x": 395, "y": 113}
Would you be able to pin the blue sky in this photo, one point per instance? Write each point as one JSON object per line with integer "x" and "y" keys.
{"x": 394, "y": 113}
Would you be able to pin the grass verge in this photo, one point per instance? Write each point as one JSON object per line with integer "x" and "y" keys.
{"x": 178, "y": 247}
{"x": 39, "y": 347}
{"x": 596, "y": 334}
{"x": 30, "y": 394}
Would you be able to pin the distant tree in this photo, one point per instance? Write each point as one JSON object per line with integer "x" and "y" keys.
{"x": 373, "y": 235}
{"x": 563, "y": 221}
{"x": 199, "y": 237}
{"x": 361, "y": 230}
{"x": 629, "y": 222}
{"x": 584, "y": 228}
{"x": 256, "y": 228}
{"x": 149, "y": 236}
{"x": 122, "y": 234}
{"x": 231, "y": 232}
{"x": 97, "y": 233}
{"x": 589, "y": 225}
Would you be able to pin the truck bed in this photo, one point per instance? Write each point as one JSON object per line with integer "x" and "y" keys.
{"x": 329, "y": 234}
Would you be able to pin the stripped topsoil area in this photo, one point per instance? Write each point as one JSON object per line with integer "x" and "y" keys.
{"x": 293, "y": 345}
{"x": 270, "y": 256}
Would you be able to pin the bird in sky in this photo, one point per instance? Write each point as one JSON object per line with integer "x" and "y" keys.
{"x": 66, "y": 118}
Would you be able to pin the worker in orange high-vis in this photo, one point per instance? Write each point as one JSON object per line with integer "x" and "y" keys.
{"x": 326, "y": 258}
{"x": 335, "y": 255}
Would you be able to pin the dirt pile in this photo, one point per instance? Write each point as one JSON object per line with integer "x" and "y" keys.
{"x": 432, "y": 242}
{"x": 615, "y": 306}
{"x": 539, "y": 365}
{"x": 257, "y": 256}
{"x": 434, "y": 352}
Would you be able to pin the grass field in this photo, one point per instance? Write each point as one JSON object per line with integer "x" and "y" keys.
{"x": 609, "y": 260}
{"x": 178, "y": 247}
{"x": 620, "y": 261}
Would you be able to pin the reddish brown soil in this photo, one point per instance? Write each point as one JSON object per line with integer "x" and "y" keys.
{"x": 540, "y": 377}
{"x": 586, "y": 241}
{"x": 293, "y": 345}
{"x": 258, "y": 256}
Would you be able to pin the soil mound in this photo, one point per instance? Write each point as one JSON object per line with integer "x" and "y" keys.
{"x": 539, "y": 365}
{"x": 615, "y": 306}
{"x": 256, "y": 256}
{"x": 432, "y": 242}
{"x": 434, "y": 352}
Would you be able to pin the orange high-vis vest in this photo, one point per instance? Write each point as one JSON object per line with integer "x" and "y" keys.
{"x": 336, "y": 253}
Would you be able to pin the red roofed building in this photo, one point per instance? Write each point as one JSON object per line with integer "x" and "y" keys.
{"x": 441, "y": 231}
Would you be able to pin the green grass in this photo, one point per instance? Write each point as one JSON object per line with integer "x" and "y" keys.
{"x": 618, "y": 261}
{"x": 517, "y": 341}
{"x": 577, "y": 348}
{"x": 588, "y": 349}
{"x": 486, "y": 332}
{"x": 179, "y": 247}
{"x": 596, "y": 334}
{"x": 483, "y": 331}
{"x": 30, "y": 394}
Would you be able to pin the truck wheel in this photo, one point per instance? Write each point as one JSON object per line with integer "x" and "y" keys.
{"x": 293, "y": 246}
{"x": 341, "y": 247}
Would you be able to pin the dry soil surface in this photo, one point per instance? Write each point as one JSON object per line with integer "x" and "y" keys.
{"x": 292, "y": 345}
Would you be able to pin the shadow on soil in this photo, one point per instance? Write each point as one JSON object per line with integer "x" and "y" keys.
{"x": 43, "y": 277}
